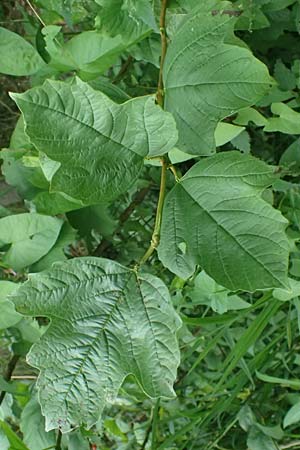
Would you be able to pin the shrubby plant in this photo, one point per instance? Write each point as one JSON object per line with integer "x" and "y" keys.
{"x": 150, "y": 275}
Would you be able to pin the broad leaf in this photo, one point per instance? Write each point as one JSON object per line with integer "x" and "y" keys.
{"x": 17, "y": 56}
{"x": 206, "y": 79}
{"x": 30, "y": 237}
{"x": 99, "y": 144}
{"x": 106, "y": 322}
{"x": 215, "y": 217}
{"x": 33, "y": 427}
{"x": 287, "y": 122}
{"x": 207, "y": 292}
{"x": 14, "y": 440}
{"x": 66, "y": 237}
{"x": 89, "y": 52}
{"x": 8, "y": 316}
{"x": 292, "y": 416}
{"x": 132, "y": 19}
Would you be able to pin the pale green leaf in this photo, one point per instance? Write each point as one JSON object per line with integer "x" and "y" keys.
{"x": 17, "y": 56}
{"x": 66, "y": 237}
{"x": 107, "y": 322}
{"x": 224, "y": 133}
{"x": 250, "y": 115}
{"x": 32, "y": 425}
{"x": 206, "y": 79}
{"x": 14, "y": 440}
{"x": 30, "y": 237}
{"x": 99, "y": 144}
{"x": 217, "y": 213}
{"x": 288, "y": 121}
{"x": 257, "y": 440}
{"x": 207, "y": 292}
{"x": 288, "y": 294}
{"x": 8, "y": 316}
{"x": 132, "y": 19}
{"x": 89, "y": 51}
{"x": 292, "y": 416}
{"x": 293, "y": 384}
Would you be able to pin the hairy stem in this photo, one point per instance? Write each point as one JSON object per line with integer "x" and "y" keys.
{"x": 137, "y": 200}
{"x": 164, "y": 46}
{"x": 8, "y": 374}
{"x": 58, "y": 440}
{"x": 160, "y": 101}
{"x": 156, "y": 233}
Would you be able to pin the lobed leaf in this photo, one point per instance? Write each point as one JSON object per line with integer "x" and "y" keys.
{"x": 216, "y": 218}
{"x": 107, "y": 322}
{"x": 207, "y": 78}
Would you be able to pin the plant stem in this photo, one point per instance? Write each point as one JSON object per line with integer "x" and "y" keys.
{"x": 9, "y": 371}
{"x": 58, "y": 441}
{"x": 137, "y": 200}
{"x": 164, "y": 46}
{"x": 160, "y": 101}
{"x": 154, "y": 424}
{"x": 156, "y": 233}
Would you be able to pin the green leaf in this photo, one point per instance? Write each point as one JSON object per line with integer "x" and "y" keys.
{"x": 89, "y": 51}
{"x": 199, "y": 95}
{"x": 293, "y": 384}
{"x": 32, "y": 425}
{"x": 291, "y": 156}
{"x": 14, "y": 440}
{"x": 292, "y": 416}
{"x": 66, "y": 237}
{"x": 236, "y": 237}
{"x": 288, "y": 121}
{"x": 17, "y": 56}
{"x": 288, "y": 294}
{"x": 250, "y": 115}
{"x": 6, "y": 386}
{"x": 107, "y": 322}
{"x": 8, "y": 316}
{"x": 4, "y": 442}
{"x": 99, "y": 144}
{"x": 285, "y": 77}
{"x": 242, "y": 142}
{"x": 132, "y": 19}
{"x": 257, "y": 440}
{"x": 225, "y": 132}
{"x": 30, "y": 237}
{"x": 207, "y": 292}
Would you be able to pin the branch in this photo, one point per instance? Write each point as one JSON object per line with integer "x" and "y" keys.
{"x": 58, "y": 441}
{"x": 137, "y": 200}
{"x": 160, "y": 101}
{"x": 8, "y": 374}
{"x": 164, "y": 46}
{"x": 156, "y": 233}
{"x": 123, "y": 70}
